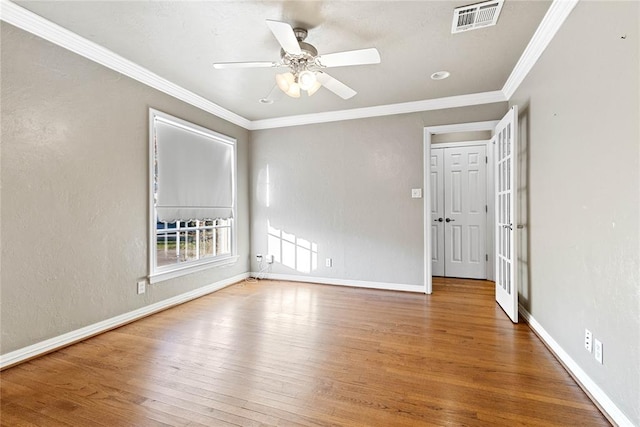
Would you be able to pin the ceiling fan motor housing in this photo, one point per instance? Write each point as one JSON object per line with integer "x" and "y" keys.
{"x": 308, "y": 52}
{"x": 300, "y": 33}
{"x": 306, "y": 59}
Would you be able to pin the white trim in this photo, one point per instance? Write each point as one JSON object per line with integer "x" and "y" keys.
{"x": 35, "y": 24}
{"x": 381, "y": 110}
{"x": 69, "y": 338}
{"x": 595, "y": 392}
{"x": 340, "y": 282}
{"x": 29, "y": 21}
{"x": 426, "y": 161}
{"x": 161, "y": 276}
{"x": 546, "y": 31}
{"x": 426, "y": 211}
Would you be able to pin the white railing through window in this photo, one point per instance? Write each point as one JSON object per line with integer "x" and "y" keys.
{"x": 182, "y": 241}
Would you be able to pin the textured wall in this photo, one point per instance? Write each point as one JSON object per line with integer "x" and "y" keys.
{"x": 580, "y": 106}
{"x": 346, "y": 186}
{"x": 75, "y": 191}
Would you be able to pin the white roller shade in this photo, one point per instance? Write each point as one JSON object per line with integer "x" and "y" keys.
{"x": 194, "y": 173}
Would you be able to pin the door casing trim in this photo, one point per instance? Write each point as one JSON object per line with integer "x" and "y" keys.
{"x": 426, "y": 161}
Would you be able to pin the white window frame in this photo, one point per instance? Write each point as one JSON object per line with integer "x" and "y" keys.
{"x": 166, "y": 272}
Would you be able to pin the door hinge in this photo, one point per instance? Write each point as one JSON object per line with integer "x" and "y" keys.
{"x": 486, "y": 257}
{"x": 486, "y": 159}
{"x": 486, "y": 208}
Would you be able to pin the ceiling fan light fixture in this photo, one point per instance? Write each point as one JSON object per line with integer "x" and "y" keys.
{"x": 284, "y": 81}
{"x": 313, "y": 89}
{"x": 294, "y": 90}
{"x": 307, "y": 79}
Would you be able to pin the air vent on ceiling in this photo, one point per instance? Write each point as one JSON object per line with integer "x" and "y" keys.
{"x": 476, "y": 16}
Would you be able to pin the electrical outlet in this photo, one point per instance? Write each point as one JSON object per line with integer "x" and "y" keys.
{"x": 142, "y": 287}
{"x": 259, "y": 258}
{"x": 328, "y": 262}
{"x": 588, "y": 340}
{"x": 597, "y": 350}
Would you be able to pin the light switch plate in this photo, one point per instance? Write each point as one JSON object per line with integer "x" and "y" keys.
{"x": 416, "y": 193}
{"x": 597, "y": 350}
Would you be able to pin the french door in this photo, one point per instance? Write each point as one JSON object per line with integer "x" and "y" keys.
{"x": 505, "y": 147}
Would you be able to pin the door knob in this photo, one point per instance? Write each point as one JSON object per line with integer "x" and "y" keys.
{"x": 438, "y": 220}
{"x": 449, "y": 220}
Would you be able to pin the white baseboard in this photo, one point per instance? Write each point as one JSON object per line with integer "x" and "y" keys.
{"x": 606, "y": 404}
{"x": 342, "y": 282}
{"x": 64, "y": 340}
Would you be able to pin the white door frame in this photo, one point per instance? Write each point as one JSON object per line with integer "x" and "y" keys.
{"x": 428, "y": 132}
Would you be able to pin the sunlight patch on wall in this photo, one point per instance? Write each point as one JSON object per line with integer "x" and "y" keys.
{"x": 263, "y": 186}
{"x": 291, "y": 251}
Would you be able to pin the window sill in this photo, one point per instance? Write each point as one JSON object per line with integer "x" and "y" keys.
{"x": 162, "y": 276}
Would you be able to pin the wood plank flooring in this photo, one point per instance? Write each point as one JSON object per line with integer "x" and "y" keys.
{"x": 293, "y": 354}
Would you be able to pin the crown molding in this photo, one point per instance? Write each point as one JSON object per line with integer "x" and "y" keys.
{"x": 381, "y": 110}
{"x": 35, "y": 24}
{"x": 546, "y": 31}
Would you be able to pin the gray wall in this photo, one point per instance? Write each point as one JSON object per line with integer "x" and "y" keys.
{"x": 461, "y": 137}
{"x": 75, "y": 191}
{"x": 580, "y": 110}
{"x": 346, "y": 186}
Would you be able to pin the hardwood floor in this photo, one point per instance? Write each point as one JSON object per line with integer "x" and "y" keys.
{"x": 287, "y": 354}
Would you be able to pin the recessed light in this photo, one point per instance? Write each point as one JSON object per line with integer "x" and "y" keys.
{"x": 440, "y": 75}
{"x": 266, "y": 101}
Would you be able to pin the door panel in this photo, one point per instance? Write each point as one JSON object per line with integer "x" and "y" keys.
{"x": 437, "y": 212}
{"x": 505, "y": 147}
{"x": 465, "y": 210}
{"x": 474, "y": 244}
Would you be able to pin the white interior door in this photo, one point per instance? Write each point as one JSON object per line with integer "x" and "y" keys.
{"x": 458, "y": 184}
{"x": 506, "y": 150}
{"x": 437, "y": 212}
{"x": 465, "y": 204}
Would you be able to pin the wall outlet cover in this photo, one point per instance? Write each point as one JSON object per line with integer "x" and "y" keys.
{"x": 416, "y": 193}
{"x": 142, "y": 287}
{"x": 588, "y": 340}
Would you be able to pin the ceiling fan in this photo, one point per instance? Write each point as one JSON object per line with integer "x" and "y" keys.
{"x": 306, "y": 67}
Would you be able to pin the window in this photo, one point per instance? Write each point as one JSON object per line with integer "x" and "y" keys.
{"x": 193, "y": 193}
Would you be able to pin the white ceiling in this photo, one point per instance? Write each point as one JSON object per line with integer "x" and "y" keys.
{"x": 180, "y": 40}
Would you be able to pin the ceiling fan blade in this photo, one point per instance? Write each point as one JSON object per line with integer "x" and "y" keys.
{"x": 335, "y": 86}
{"x": 258, "y": 64}
{"x": 285, "y": 36}
{"x": 351, "y": 57}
